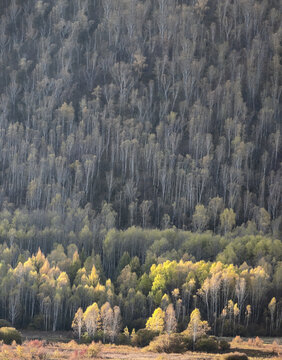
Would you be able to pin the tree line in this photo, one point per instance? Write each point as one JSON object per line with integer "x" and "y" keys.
{"x": 45, "y": 291}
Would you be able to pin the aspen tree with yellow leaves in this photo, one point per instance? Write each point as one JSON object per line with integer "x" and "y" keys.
{"x": 92, "y": 319}
{"x": 196, "y": 327}
{"x": 78, "y": 322}
{"x": 157, "y": 321}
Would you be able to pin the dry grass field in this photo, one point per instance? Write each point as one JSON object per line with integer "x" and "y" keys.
{"x": 52, "y": 349}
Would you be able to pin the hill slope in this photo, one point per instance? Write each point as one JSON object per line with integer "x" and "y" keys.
{"x": 151, "y": 106}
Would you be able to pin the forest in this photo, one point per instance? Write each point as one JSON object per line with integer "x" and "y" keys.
{"x": 235, "y": 281}
{"x": 140, "y": 164}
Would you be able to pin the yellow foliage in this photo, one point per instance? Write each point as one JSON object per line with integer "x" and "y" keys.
{"x": 156, "y": 321}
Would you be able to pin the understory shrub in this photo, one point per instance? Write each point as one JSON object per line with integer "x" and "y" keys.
{"x": 229, "y": 330}
{"x": 237, "y": 340}
{"x": 85, "y": 338}
{"x": 94, "y": 350}
{"x": 207, "y": 344}
{"x": 10, "y": 334}
{"x": 143, "y": 337}
{"x": 100, "y": 336}
{"x": 258, "y": 342}
{"x": 123, "y": 340}
{"x": 188, "y": 341}
{"x": 174, "y": 343}
{"x": 234, "y": 356}
{"x": 179, "y": 343}
{"x": 224, "y": 345}
{"x": 36, "y": 343}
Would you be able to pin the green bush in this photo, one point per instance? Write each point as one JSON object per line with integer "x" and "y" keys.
{"x": 143, "y": 337}
{"x": 228, "y": 329}
{"x": 123, "y": 340}
{"x": 173, "y": 343}
{"x": 224, "y": 345}
{"x": 234, "y": 356}
{"x": 99, "y": 336}
{"x": 207, "y": 344}
{"x": 188, "y": 341}
{"x": 85, "y": 338}
{"x": 10, "y": 334}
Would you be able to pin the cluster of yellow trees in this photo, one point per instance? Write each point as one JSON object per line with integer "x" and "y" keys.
{"x": 165, "y": 321}
{"x": 46, "y": 292}
{"x": 227, "y": 292}
{"x": 94, "y": 320}
{"x": 107, "y": 322}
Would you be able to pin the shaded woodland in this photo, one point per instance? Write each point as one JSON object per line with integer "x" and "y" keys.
{"x": 151, "y": 106}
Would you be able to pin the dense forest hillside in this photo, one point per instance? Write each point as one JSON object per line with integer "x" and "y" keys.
{"x": 151, "y": 106}
{"x": 140, "y": 150}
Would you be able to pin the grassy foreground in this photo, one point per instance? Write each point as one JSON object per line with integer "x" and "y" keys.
{"x": 57, "y": 347}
